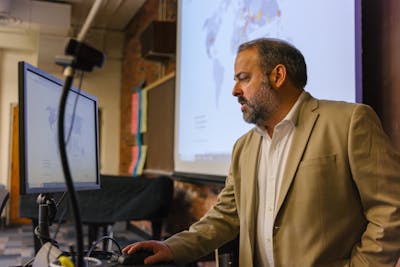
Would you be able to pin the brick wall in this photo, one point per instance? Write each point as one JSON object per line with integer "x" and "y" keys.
{"x": 191, "y": 201}
{"x": 135, "y": 69}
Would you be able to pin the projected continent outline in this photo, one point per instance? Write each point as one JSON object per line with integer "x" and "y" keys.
{"x": 248, "y": 17}
{"x": 209, "y": 119}
{"x": 252, "y": 15}
{"x": 74, "y": 148}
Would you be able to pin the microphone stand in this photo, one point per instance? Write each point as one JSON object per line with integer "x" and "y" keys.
{"x": 82, "y": 57}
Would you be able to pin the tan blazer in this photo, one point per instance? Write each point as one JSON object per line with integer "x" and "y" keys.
{"x": 339, "y": 200}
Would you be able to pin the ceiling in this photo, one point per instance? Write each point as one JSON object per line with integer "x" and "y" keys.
{"x": 56, "y": 20}
{"x": 112, "y": 15}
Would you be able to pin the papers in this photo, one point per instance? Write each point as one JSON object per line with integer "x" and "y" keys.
{"x": 138, "y": 160}
{"x": 138, "y": 126}
{"x": 139, "y": 112}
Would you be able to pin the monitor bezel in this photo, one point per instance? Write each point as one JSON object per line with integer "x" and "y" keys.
{"x": 25, "y": 188}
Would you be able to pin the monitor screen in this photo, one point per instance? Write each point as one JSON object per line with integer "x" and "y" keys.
{"x": 40, "y": 163}
{"x": 208, "y": 119}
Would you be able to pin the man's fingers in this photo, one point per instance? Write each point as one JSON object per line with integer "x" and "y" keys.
{"x": 144, "y": 245}
{"x": 153, "y": 259}
{"x": 161, "y": 252}
{"x": 132, "y": 248}
{"x": 160, "y": 256}
{"x": 125, "y": 249}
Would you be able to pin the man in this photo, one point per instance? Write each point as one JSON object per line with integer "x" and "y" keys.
{"x": 315, "y": 183}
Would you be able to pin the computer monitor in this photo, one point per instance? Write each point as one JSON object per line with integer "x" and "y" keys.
{"x": 40, "y": 164}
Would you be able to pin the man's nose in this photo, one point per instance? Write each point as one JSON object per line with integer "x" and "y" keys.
{"x": 237, "y": 91}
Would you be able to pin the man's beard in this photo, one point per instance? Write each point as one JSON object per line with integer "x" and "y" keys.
{"x": 261, "y": 106}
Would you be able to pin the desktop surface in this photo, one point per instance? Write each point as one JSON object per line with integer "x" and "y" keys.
{"x": 113, "y": 264}
{"x": 49, "y": 253}
{"x": 111, "y": 260}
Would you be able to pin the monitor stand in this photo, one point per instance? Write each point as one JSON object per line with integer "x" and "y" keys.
{"x": 49, "y": 251}
{"x": 47, "y": 213}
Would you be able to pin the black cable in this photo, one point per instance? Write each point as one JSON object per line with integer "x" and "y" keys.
{"x": 61, "y": 199}
{"x": 43, "y": 238}
{"x": 51, "y": 240}
{"x": 101, "y": 239}
{"x": 65, "y": 165}
{"x": 47, "y": 211}
{"x": 60, "y": 219}
{"x": 74, "y": 109}
{"x": 66, "y": 143}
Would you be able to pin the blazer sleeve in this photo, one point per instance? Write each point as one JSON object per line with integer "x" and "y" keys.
{"x": 217, "y": 227}
{"x": 375, "y": 167}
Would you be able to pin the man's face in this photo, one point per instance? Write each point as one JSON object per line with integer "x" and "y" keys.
{"x": 258, "y": 99}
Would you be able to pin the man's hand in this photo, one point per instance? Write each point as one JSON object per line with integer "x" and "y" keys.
{"x": 162, "y": 253}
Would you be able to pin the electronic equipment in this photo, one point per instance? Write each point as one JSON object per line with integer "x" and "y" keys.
{"x": 40, "y": 164}
{"x": 134, "y": 258}
{"x": 40, "y": 161}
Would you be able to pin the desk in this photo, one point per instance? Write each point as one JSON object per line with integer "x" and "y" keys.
{"x": 121, "y": 198}
{"x": 113, "y": 264}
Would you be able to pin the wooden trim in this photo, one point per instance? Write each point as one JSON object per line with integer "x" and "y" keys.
{"x": 14, "y": 180}
{"x": 159, "y": 81}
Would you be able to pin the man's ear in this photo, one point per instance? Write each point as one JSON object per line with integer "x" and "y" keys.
{"x": 278, "y": 76}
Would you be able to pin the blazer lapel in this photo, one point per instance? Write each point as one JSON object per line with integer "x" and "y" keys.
{"x": 305, "y": 124}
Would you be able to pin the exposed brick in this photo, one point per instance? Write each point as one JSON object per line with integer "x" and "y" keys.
{"x": 190, "y": 201}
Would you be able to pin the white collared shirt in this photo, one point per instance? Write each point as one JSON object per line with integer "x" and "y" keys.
{"x": 274, "y": 153}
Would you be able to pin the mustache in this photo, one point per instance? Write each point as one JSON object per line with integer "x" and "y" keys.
{"x": 242, "y": 100}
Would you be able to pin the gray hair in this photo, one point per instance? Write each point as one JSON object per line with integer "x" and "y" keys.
{"x": 272, "y": 52}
